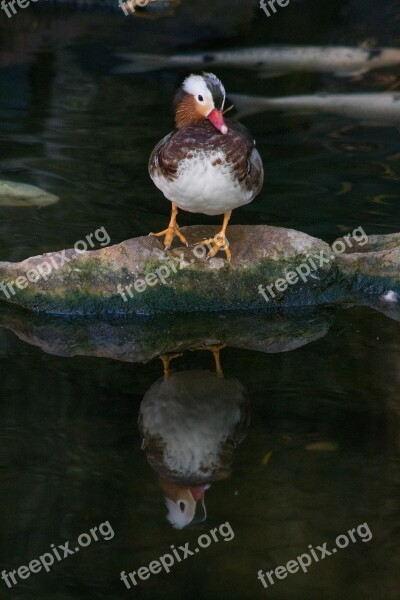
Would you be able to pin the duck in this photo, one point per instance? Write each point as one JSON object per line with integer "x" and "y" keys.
{"x": 191, "y": 423}
{"x": 207, "y": 164}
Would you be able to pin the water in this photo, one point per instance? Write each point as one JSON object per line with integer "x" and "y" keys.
{"x": 316, "y": 450}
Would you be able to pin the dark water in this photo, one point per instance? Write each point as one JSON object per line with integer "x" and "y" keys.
{"x": 316, "y": 446}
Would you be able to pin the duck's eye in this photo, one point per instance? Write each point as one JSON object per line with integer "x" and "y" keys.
{"x": 200, "y": 98}
{"x": 182, "y": 506}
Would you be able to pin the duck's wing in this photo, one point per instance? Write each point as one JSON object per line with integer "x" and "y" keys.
{"x": 242, "y": 154}
{"x": 165, "y": 158}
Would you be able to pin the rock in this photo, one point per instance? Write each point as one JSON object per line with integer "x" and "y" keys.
{"x": 373, "y": 268}
{"x": 13, "y": 193}
{"x": 136, "y": 276}
{"x": 271, "y": 267}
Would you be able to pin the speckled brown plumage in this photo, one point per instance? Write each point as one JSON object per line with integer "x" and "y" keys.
{"x": 237, "y": 145}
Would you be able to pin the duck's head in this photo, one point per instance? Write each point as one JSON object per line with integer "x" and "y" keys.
{"x": 185, "y": 504}
{"x": 201, "y": 97}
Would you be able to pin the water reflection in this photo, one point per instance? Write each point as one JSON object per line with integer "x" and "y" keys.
{"x": 327, "y": 414}
{"x": 142, "y": 339}
{"x": 191, "y": 422}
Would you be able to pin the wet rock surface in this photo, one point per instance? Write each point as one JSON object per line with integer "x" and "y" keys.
{"x": 374, "y": 268}
{"x": 138, "y": 277}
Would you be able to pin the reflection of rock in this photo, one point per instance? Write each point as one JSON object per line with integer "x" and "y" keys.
{"x": 191, "y": 423}
{"x": 180, "y": 281}
{"x": 142, "y": 339}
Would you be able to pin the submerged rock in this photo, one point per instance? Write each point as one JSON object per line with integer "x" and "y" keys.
{"x": 13, "y": 193}
{"x": 271, "y": 267}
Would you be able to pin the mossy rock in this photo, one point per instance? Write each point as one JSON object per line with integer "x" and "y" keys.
{"x": 374, "y": 268}
{"x": 138, "y": 277}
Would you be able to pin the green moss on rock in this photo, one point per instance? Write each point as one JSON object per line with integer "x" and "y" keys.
{"x": 180, "y": 281}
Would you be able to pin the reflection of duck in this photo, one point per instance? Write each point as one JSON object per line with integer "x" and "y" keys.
{"x": 191, "y": 422}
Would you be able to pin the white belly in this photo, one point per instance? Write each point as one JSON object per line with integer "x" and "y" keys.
{"x": 201, "y": 187}
{"x": 193, "y": 413}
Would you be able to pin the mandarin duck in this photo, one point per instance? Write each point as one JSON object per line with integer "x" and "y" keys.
{"x": 206, "y": 165}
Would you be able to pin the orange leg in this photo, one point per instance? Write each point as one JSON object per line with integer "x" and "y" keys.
{"x": 172, "y": 230}
{"x": 219, "y": 242}
{"x": 215, "y": 349}
{"x": 166, "y": 359}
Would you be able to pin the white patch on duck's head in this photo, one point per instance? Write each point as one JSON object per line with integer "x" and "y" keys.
{"x": 207, "y": 89}
{"x": 181, "y": 512}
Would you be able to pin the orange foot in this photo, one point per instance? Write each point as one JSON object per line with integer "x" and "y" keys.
{"x": 170, "y": 233}
{"x": 172, "y": 230}
{"x": 219, "y": 242}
